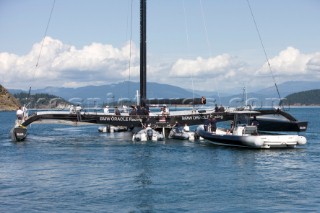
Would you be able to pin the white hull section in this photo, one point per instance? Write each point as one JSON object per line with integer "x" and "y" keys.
{"x": 147, "y": 134}
{"x": 245, "y": 136}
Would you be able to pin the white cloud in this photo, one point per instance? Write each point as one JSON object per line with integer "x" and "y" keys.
{"x": 201, "y": 66}
{"x": 289, "y": 62}
{"x": 133, "y": 71}
{"x": 96, "y": 64}
{"x": 314, "y": 63}
{"x": 65, "y": 64}
{"x": 221, "y": 73}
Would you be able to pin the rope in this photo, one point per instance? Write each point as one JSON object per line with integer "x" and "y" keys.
{"x": 207, "y": 40}
{"x": 188, "y": 44}
{"x": 205, "y": 27}
{"x": 44, "y": 37}
{"x": 264, "y": 50}
{"x": 130, "y": 54}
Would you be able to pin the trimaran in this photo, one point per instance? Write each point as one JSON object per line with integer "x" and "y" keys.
{"x": 158, "y": 121}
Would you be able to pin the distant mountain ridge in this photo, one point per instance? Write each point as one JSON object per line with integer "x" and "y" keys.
{"x": 117, "y": 90}
{"x": 128, "y": 89}
{"x": 291, "y": 87}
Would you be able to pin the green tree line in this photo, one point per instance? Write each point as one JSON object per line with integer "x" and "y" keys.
{"x": 40, "y": 100}
{"x": 310, "y": 97}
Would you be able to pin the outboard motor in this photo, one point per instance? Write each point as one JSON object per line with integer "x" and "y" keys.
{"x": 149, "y": 134}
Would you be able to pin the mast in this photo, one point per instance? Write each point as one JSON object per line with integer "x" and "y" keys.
{"x": 143, "y": 50}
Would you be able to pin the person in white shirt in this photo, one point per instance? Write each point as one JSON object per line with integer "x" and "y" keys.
{"x": 19, "y": 115}
{"x": 148, "y": 127}
{"x": 72, "y": 110}
{"x": 25, "y": 110}
{"x": 106, "y": 110}
{"x": 186, "y": 128}
{"x": 165, "y": 110}
{"x": 78, "y": 108}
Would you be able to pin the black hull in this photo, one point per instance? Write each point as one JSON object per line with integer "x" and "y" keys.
{"x": 179, "y": 137}
{"x": 18, "y": 133}
{"x": 280, "y": 121}
{"x": 266, "y": 124}
{"x": 225, "y": 140}
{"x": 158, "y": 121}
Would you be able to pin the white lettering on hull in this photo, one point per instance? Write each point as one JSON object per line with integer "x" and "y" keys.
{"x": 121, "y": 119}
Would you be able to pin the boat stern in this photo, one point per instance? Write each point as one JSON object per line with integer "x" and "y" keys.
{"x": 18, "y": 133}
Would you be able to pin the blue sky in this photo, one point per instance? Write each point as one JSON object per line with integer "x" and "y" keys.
{"x": 210, "y": 44}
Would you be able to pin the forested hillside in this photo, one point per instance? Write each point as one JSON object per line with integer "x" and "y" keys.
{"x": 310, "y": 97}
{"x": 42, "y": 101}
{"x": 7, "y": 101}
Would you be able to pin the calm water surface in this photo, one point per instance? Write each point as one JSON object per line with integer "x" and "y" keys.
{"x": 76, "y": 169}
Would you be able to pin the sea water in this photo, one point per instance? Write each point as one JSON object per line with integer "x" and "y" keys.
{"x": 77, "y": 169}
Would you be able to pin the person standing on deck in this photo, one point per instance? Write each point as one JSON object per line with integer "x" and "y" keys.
{"x": 106, "y": 110}
{"x": 19, "y": 114}
{"x": 25, "y": 112}
{"x": 213, "y": 124}
{"x": 186, "y": 128}
{"x": 133, "y": 111}
{"x": 117, "y": 111}
{"x": 255, "y": 122}
{"x": 165, "y": 110}
{"x": 210, "y": 125}
{"x": 78, "y": 108}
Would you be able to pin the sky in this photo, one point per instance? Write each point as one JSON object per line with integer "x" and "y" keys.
{"x": 208, "y": 45}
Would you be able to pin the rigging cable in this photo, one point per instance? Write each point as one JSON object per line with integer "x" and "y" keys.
{"x": 205, "y": 27}
{"x": 188, "y": 43}
{"x": 45, "y": 34}
{"x": 265, "y": 53}
{"x": 130, "y": 51}
{"x": 207, "y": 39}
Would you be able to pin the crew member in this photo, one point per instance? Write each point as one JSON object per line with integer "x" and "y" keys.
{"x": 133, "y": 111}
{"x": 165, "y": 110}
{"x": 255, "y": 122}
{"x": 203, "y": 100}
{"x": 186, "y": 128}
{"x": 116, "y": 111}
{"x": 78, "y": 108}
{"x": 106, "y": 110}
{"x": 19, "y": 114}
